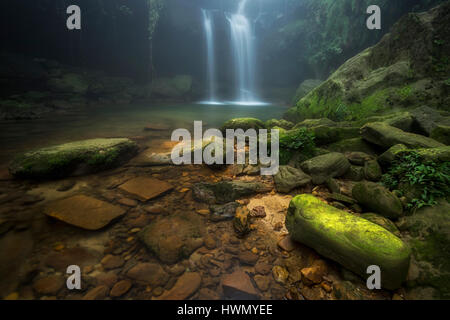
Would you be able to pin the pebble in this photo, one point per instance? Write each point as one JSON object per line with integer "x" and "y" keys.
{"x": 120, "y": 288}
{"x": 280, "y": 274}
{"x": 98, "y": 293}
{"x": 111, "y": 262}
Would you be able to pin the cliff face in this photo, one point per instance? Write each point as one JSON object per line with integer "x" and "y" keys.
{"x": 409, "y": 67}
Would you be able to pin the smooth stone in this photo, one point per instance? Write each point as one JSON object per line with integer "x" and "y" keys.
{"x": 150, "y": 273}
{"x": 84, "y": 212}
{"x": 98, "y": 293}
{"x": 289, "y": 178}
{"x": 372, "y": 170}
{"x": 185, "y": 287}
{"x": 120, "y": 288}
{"x": 238, "y": 285}
{"x": 49, "y": 285}
{"x": 326, "y": 166}
{"x": 146, "y": 188}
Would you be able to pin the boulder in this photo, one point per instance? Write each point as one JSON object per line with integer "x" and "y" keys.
{"x": 441, "y": 133}
{"x": 353, "y": 242}
{"x": 289, "y": 178}
{"x": 354, "y": 173}
{"x": 429, "y": 237}
{"x": 426, "y": 119}
{"x": 173, "y": 238}
{"x": 226, "y": 191}
{"x": 326, "y": 166}
{"x": 284, "y": 124}
{"x": 372, "y": 170}
{"x": 352, "y": 145}
{"x": 74, "y": 158}
{"x": 389, "y": 155}
{"x": 382, "y": 221}
{"x": 324, "y": 134}
{"x": 304, "y": 88}
{"x": 377, "y": 198}
{"x": 386, "y": 136}
{"x": 441, "y": 154}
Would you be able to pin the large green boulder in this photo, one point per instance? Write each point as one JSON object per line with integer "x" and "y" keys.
{"x": 309, "y": 123}
{"x": 440, "y": 154}
{"x": 326, "y": 166}
{"x": 244, "y": 124}
{"x": 353, "y": 242}
{"x": 386, "y": 136}
{"x": 325, "y": 135}
{"x": 377, "y": 198}
{"x": 74, "y": 158}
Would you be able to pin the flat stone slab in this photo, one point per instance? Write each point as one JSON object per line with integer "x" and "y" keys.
{"x": 146, "y": 188}
{"x": 238, "y": 285}
{"x": 84, "y": 212}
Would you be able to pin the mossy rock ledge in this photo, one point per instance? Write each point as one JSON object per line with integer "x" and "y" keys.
{"x": 74, "y": 158}
{"x": 353, "y": 242}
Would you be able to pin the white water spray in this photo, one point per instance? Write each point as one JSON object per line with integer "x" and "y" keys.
{"x": 211, "y": 63}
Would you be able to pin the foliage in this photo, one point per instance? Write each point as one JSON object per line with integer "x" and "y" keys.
{"x": 431, "y": 179}
{"x": 298, "y": 140}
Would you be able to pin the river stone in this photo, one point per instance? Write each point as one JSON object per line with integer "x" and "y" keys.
{"x": 378, "y": 199}
{"x": 354, "y": 242}
{"x": 226, "y": 191}
{"x": 84, "y": 212}
{"x": 173, "y": 238}
{"x": 372, "y": 170}
{"x": 386, "y": 136}
{"x": 150, "y": 273}
{"x": 148, "y": 158}
{"x": 326, "y": 166}
{"x": 238, "y": 285}
{"x": 146, "y": 188}
{"x": 185, "y": 287}
{"x": 289, "y": 178}
{"x": 74, "y": 158}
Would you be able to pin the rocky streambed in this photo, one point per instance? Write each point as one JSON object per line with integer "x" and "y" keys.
{"x": 142, "y": 228}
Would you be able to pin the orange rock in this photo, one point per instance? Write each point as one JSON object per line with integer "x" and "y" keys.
{"x": 238, "y": 285}
{"x": 120, "y": 288}
{"x": 185, "y": 287}
{"x": 145, "y": 188}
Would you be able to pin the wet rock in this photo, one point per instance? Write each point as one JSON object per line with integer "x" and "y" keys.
{"x": 120, "y": 288}
{"x": 313, "y": 275}
{"x": 210, "y": 242}
{"x": 382, "y": 221}
{"x": 258, "y": 212}
{"x": 106, "y": 278}
{"x": 66, "y": 185}
{"x": 185, "y": 287}
{"x": 330, "y": 165}
{"x": 372, "y": 170}
{"x": 313, "y": 293}
{"x": 426, "y": 119}
{"x": 98, "y": 293}
{"x": 223, "y": 212}
{"x": 354, "y": 173}
{"x": 173, "y": 238}
{"x": 349, "y": 240}
{"x": 241, "y": 222}
{"x": 383, "y": 135}
{"x": 238, "y": 285}
{"x": 73, "y": 158}
{"x": 262, "y": 282}
{"x": 248, "y": 258}
{"x": 112, "y": 262}
{"x": 79, "y": 256}
{"x": 286, "y": 244}
{"x": 441, "y": 133}
{"x": 263, "y": 267}
{"x": 389, "y": 155}
{"x": 378, "y": 199}
{"x": 84, "y": 212}
{"x": 150, "y": 273}
{"x": 341, "y": 198}
{"x": 49, "y": 285}
{"x": 333, "y": 185}
{"x": 352, "y": 145}
{"x": 358, "y": 158}
{"x": 208, "y": 294}
{"x": 145, "y": 188}
{"x": 280, "y": 274}
{"x": 226, "y": 191}
{"x": 127, "y": 202}
{"x": 289, "y": 178}
{"x": 148, "y": 158}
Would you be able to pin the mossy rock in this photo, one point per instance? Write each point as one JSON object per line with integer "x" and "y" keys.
{"x": 325, "y": 134}
{"x": 354, "y": 173}
{"x": 441, "y": 133}
{"x": 326, "y": 166}
{"x": 382, "y": 221}
{"x": 226, "y": 191}
{"x": 276, "y": 124}
{"x": 429, "y": 238}
{"x": 309, "y": 123}
{"x": 389, "y": 155}
{"x": 304, "y": 88}
{"x": 289, "y": 178}
{"x": 377, "y": 198}
{"x": 244, "y": 124}
{"x": 372, "y": 170}
{"x": 402, "y": 120}
{"x": 353, "y": 242}
{"x": 440, "y": 154}
{"x": 74, "y": 158}
{"x": 351, "y": 145}
{"x": 386, "y": 136}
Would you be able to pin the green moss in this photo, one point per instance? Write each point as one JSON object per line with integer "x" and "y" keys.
{"x": 244, "y": 124}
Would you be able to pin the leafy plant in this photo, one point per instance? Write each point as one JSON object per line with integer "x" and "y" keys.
{"x": 298, "y": 140}
{"x": 428, "y": 178}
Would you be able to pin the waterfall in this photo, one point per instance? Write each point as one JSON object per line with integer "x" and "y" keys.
{"x": 211, "y": 67}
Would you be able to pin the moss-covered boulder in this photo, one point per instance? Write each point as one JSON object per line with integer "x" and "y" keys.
{"x": 353, "y": 242}
{"x": 304, "y": 88}
{"x": 441, "y": 133}
{"x": 402, "y": 120}
{"x": 377, "y": 198}
{"x": 441, "y": 154}
{"x": 309, "y": 123}
{"x": 289, "y": 178}
{"x": 351, "y": 145}
{"x": 407, "y": 68}
{"x": 74, "y": 158}
{"x": 389, "y": 155}
{"x": 326, "y": 166}
{"x": 372, "y": 170}
{"x": 275, "y": 124}
{"x": 382, "y": 221}
{"x": 326, "y": 135}
{"x": 354, "y": 173}
{"x": 429, "y": 237}
{"x": 386, "y": 136}
{"x": 244, "y": 124}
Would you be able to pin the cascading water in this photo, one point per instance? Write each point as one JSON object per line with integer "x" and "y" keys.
{"x": 242, "y": 45}
{"x": 211, "y": 66}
